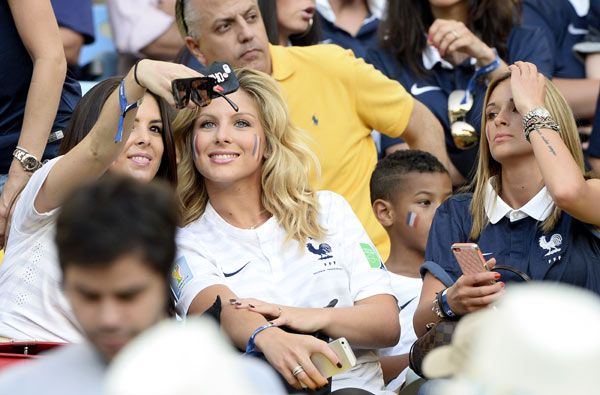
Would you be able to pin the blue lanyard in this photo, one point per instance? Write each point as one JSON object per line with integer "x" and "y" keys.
{"x": 481, "y": 71}
{"x": 124, "y": 110}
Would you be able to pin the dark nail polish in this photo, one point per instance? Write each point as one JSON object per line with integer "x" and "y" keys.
{"x": 238, "y": 303}
{"x": 339, "y": 365}
{"x": 232, "y": 301}
{"x": 251, "y": 305}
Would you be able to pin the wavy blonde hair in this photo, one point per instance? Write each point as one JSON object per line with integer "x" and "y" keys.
{"x": 286, "y": 192}
{"x": 487, "y": 167}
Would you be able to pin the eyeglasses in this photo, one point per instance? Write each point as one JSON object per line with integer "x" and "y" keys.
{"x": 463, "y": 134}
{"x": 200, "y": 90}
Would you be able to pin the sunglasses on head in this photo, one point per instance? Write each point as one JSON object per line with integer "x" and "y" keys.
{"x": 200, "y": 90}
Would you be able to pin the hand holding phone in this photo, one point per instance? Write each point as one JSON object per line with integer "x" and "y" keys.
{"x": 469, "y": 258}
{"x": 344, "y": 352}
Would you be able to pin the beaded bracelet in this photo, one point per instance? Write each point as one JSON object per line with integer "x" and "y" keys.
{"x": 536, "y": 119}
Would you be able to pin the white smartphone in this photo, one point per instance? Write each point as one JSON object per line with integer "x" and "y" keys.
{"x": 469, "y": 258}
{"x": 344, "y": 352}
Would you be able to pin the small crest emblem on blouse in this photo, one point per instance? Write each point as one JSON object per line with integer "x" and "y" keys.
{"x": 551, "y": 245}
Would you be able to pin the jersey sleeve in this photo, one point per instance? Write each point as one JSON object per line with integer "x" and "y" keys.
{"x": 192, "y": 272}
{"x": 529, "y": 44}
{"x": 26, "y": 219}
{"x": 445, "y": 230}
{"x": 368, "y": 276}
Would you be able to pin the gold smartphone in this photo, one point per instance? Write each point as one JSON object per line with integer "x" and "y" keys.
{"x": 469, "y": 258}
{"x": 344, "y": 352}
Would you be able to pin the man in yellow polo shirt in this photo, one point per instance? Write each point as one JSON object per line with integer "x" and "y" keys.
{"x": 336, "y": 97}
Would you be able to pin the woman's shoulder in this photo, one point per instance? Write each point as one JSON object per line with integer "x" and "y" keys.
{"x": 458, "y": 202}
{"x": 328, "y": 197}
{"x": 329, "y": 200}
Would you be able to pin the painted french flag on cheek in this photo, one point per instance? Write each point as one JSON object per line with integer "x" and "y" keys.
{"x": 411, "y": 219}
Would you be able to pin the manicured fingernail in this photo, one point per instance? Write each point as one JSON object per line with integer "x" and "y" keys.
{"x": 219, "y": 88}
{"x": 339, "y": 365}
{"x": 251, "y": 305}
{"x": 238, "y": 303}
{"x": 502, "y": 284}
{"x": 497, "y": 276}
{"x": 232, "y": 301}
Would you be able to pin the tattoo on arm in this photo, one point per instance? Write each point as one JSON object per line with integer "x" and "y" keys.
{"x": 550, "y": 148}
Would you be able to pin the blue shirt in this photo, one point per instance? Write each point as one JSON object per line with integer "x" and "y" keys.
{"x": 15, "y": 76}
{"x": 594, "y": 144}
{"x": 570, "y": 253}
{"x": 75, "y": 15}
{"x": 433, "y": 89}
{"x": 563, "y": 28}
{"x": 364, "y": 39}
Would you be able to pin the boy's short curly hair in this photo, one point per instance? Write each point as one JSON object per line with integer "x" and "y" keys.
{"x": 386, "y": 177}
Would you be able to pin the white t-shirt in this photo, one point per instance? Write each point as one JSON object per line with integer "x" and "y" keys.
{"x": 257, "y": 263}
{"x": 407, "y": 291}
{"x": 32, "y": 304}
{"x": 73, "y": 369}
{"x": 137, "y": 23}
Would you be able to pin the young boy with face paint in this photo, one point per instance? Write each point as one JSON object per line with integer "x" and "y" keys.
{"x": 406, "y": 189}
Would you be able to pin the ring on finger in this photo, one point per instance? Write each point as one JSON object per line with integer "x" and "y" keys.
{"x": 456, "y": 35}
{"x": 297, "y": 370}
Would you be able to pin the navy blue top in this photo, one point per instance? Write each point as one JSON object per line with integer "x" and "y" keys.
{"x": 594, "y": 145}
{"x": 433, "y": 89}
{"x": 364, "y": 39}
{"x": 15, "y": 76}
{"x": 563, "y": 28}
{"x": 75, "y": 15}
{"x": 570, "y": 253}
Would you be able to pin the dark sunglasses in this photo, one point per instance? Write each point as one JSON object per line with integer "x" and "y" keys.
{"x": 200, "y": 90}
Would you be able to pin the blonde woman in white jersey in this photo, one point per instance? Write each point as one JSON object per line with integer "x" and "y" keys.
{"x": 254, "y": 228}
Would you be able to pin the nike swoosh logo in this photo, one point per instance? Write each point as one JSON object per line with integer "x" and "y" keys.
{"x": 237, "y": 271}
{"x": 575, "y": 30}
{"x": 407, "y": 303}
{"x": 416, "y": 91}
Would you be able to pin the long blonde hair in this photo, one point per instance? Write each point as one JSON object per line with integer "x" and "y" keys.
{"x": 286, "y": 192}
{"x": 487, "y": 167}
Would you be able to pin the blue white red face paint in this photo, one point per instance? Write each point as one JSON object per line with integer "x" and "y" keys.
{"x": 256, "y": 148}
{"x": 411, "y": 219}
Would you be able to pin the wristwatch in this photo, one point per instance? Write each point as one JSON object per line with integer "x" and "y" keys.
{"x": 536, "y": 119}
{"x": 537, "y": 112}
{"x": 29, "y": 162}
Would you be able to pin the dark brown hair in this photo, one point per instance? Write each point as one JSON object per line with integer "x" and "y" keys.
{"x": 88, "y": 110}
{"x": 115, "y": 216}
{"x": 268, "y": 10}
{"x": 404, "y": 32}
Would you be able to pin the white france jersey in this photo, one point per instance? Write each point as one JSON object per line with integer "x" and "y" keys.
{"x": 408, "y": 292}
{"x": 32, "y": 304}
{"x": 257, "y": 263}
